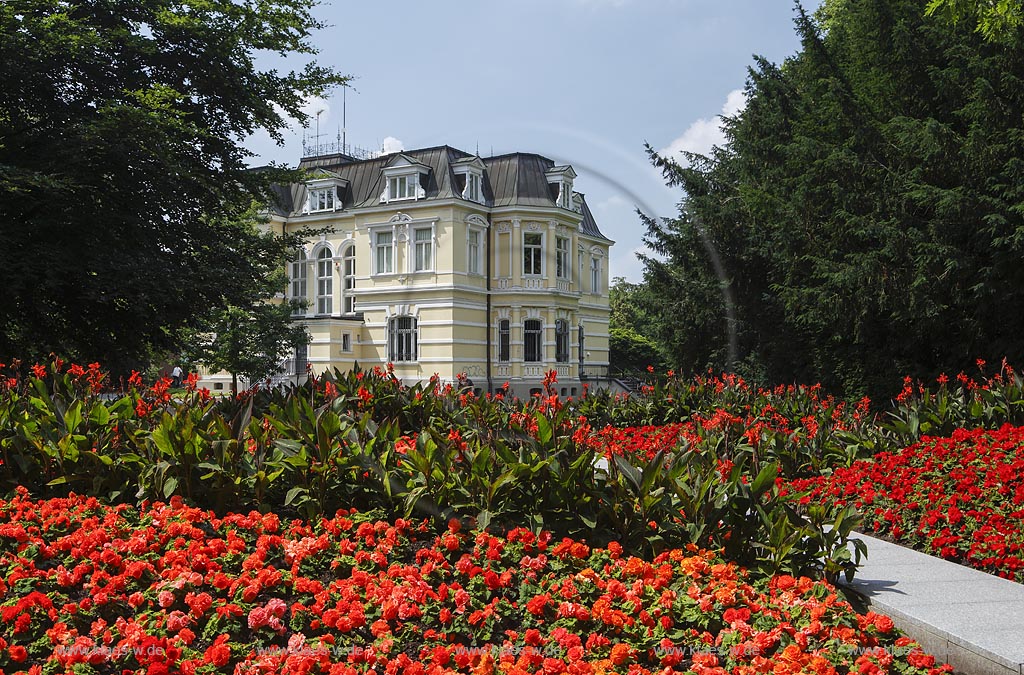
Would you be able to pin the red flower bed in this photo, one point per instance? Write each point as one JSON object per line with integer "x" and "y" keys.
{"x": 643, "y": 442}
{"x": 169, "y": 588}
{"x": 960, "y": 497}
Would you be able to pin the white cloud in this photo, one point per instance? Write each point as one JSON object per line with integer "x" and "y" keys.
{"x": 310, "y": 106}
{"x": 314, "y": 105}
{"x": 705, "y": 133}
{"x": 392, "y": 144}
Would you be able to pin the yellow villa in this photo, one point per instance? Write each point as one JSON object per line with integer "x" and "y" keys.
{"x": 442, "y": 262}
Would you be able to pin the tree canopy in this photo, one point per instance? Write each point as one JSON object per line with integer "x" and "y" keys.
{"x": 121, "y": 166}
{"x": 251, "y": 340}
{"x": 997, "y": 20}
{"x": 866, "y": 215}
{"x": 630, "y": 329}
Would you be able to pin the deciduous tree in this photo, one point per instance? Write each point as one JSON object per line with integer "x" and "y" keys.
{"x": 121, "y": 166}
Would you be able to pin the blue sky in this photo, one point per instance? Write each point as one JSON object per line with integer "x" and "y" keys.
{"x": 585, "y": 82}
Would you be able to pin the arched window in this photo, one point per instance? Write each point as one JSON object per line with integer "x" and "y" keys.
{"x": 402, "y": 340}
{"x": 533, "y": 332}
{"x": 596, "y": 285}
{"x": 562, "y": 341}
{"x": 297, "y": 273}
{"x": 324, "y": 281}
{"x": 349, "y": 268}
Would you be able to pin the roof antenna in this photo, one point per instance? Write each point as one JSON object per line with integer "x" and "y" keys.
{"x": 478, "y": 148}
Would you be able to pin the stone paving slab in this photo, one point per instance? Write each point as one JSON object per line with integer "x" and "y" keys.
{"x": 970, "y": 619}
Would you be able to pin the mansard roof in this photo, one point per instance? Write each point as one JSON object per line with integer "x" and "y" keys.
{"x": 514, "y": 179}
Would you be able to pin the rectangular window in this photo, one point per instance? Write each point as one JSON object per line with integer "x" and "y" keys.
{"x": 424, "y": 248}
{"x": 403, "y": 339}
{"x": 298, "y": 285}
{"x": 473, "y": 251}
{"x": 562, "y": 341}
{"x": 532, "y": 253}
{"x": 533, "y": 333}
{"x": 324, "y": 282}
{"x": 402, "y": 187}
{"x": 322, "y": 199}
{"x": 346, "y": 342}
{"x": 473, "y": 187}
{"x": 301, "y": 359}
{"x": 595, "y": 275}
{"x": 562, "y": 266}
{"x": 349, "y": 257}
{"x": 504, "y": 340}
{"x": 385, "y": 253}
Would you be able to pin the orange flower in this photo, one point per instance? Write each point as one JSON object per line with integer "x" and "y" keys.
{"x": 620, "y": 654}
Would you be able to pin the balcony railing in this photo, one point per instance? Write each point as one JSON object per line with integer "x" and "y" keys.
{"x": 595, "y": 373}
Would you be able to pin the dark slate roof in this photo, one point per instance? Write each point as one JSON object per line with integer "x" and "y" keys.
{"x": 588, "y": 225}
{"x": 282, "y": 204}
{"x": 516, "y": 179}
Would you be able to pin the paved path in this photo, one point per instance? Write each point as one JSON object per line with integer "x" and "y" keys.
{"x": 970, "y": 619}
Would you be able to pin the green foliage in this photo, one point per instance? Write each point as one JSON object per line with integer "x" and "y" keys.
{"x": 121, "y": 165}
{"x": 998, "y": 21}
{"x": 864, "y": 216}
{"x": 252, "y": 340}
{"x": 920, "y": 411}
{"x": 362, "y": 440}
{"x": 631, "y": 346}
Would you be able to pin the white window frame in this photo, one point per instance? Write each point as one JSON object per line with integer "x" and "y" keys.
{"x": 473, "y": 180}
{"x": 596, "y": 275}
{"x": 348, "y": 278}
{"x": 539, "y": 341}
{"x": 399, "y": 334}
{"x": 321, "y": 198}
{"x": 540, "y": 254}
{"x": 422, "y": 253}
{"x": 383, "y": 254}
{"x": 298, "y": 277}
{"x": 403, "y": 186}
{"x": 473, "y": 250}
{"x": 565, "y": 195}
{"x": 474, "y": 191}
{"x": 324, "y": 281}
{"x": 563, "y": 261}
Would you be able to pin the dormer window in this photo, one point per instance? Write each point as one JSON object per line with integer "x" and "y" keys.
{"x": 403, "y": 187}
{"x": 324, "y": 192}
{"x": 322, "y": 199}
{"x": 560, "y": 180}
{"x": 403, "y": 179}
{"x": 469, "y": 176}
{"x": 565, "y": 195}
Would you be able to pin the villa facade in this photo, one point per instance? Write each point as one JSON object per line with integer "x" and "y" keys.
{"x": 442, "y": 262}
